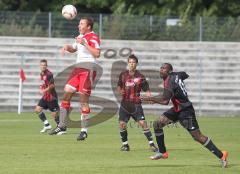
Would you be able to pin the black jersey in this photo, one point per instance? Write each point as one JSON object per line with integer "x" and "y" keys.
{"x": 47, "y": 79}
{"x": 175, "y": 90}
{"x": 132, "y": 86}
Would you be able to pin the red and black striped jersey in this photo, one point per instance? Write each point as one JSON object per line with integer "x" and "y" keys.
{"x": 175, "y": 90}
{"x": 132, "y": 86}
{"x": 47, "y": 79}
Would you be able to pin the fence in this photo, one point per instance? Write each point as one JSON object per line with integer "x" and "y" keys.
{"x": 125, "y": 27}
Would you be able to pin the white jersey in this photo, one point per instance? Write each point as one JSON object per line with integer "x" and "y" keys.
{"x": 83, "y": 55}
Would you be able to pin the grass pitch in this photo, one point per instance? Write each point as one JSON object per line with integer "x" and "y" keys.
{"x": 24, "y": 150}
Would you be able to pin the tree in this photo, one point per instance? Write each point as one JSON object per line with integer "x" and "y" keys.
{"x": 179, "y": 8}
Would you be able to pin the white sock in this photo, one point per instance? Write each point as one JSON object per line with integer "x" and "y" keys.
{"x": 84, "y": 122}
{"x": 45, "y": 122}
{"x": 84, "y": 129}
{"x": 150, "y": 142}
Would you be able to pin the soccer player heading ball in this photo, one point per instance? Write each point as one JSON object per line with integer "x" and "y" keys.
{"x": 87, "y": 46}
{"x": 183, "y": 111}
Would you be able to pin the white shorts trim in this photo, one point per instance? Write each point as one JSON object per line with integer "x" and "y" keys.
{"x": 73, "y": 88}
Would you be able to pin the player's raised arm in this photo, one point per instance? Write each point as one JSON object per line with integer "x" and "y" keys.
{"x": 160, "y": 99}
{"x": 67, "y": 48}
{"x": 95, "y": 51}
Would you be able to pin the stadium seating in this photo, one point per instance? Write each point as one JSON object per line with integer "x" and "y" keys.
{"x": 214, "y": 70}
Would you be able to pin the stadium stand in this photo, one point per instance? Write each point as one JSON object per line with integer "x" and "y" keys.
{"x": 213, "y": 67}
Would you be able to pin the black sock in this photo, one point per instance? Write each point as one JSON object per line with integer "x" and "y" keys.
{"x": 148, "y": 135}
{"x": 124, "y": 135}
{"x": 160, "y": 140}
{"x": 212, "y": 148}
{"x": 42, "y": 117}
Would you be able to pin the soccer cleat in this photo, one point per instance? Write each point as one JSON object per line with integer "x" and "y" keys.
{"x": 82, "y": 136}
{"x": 153, "y": 147}
{"x": 58, "y": 131}
{"x": 125, "y": 148}
{"x": 223, "y": 160}
{"x": 159, "y": 155}
{"x": 45, "y": 128}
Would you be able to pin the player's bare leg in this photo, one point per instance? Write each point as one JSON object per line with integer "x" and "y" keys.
{"x": 124, "y": 136}
{"x": 148, "y": 135}
{"x": 85, "y": 111}
{"x": 42, "y": 116}
{"x": 207, "y": 142}
{"x": 55, "y": 116}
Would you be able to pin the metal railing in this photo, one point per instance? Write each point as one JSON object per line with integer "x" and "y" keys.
{"x": 125, "y": 27}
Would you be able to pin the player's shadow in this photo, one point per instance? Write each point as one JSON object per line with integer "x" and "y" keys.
{"x": 159, "y": 165}
{"x": 185, "y": 150}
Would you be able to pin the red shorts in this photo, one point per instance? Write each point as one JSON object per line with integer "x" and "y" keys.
{"x": 81, "y": 80}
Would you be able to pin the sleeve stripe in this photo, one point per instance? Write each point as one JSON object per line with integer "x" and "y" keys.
{"x": 96, "y": 44}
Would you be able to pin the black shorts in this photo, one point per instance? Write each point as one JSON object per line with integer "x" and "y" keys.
{"x": 186, "y": 118}
{"x": 128, "y": 110}
{"x": 51, "y": 105}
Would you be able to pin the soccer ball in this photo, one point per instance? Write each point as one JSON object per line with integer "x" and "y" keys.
{"x": 69, "y": 12}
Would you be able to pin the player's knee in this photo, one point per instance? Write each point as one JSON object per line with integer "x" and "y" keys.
{"x": 54, "y": 114}
{"x": 157, "y": 124}
{"x": 67, "y": 96}
{"x": 38, "y": 110}
{"x": 84, "y": 102}
{"x": 142, "y": 123}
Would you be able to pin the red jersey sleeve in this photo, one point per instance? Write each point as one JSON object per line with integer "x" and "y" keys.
{"x": 93, "y": 41}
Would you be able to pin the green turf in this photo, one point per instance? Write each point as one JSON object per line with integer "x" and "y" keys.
{"x": 24, "y": 150}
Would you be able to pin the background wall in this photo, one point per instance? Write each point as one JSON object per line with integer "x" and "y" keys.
{"x": 214, "y": 70}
